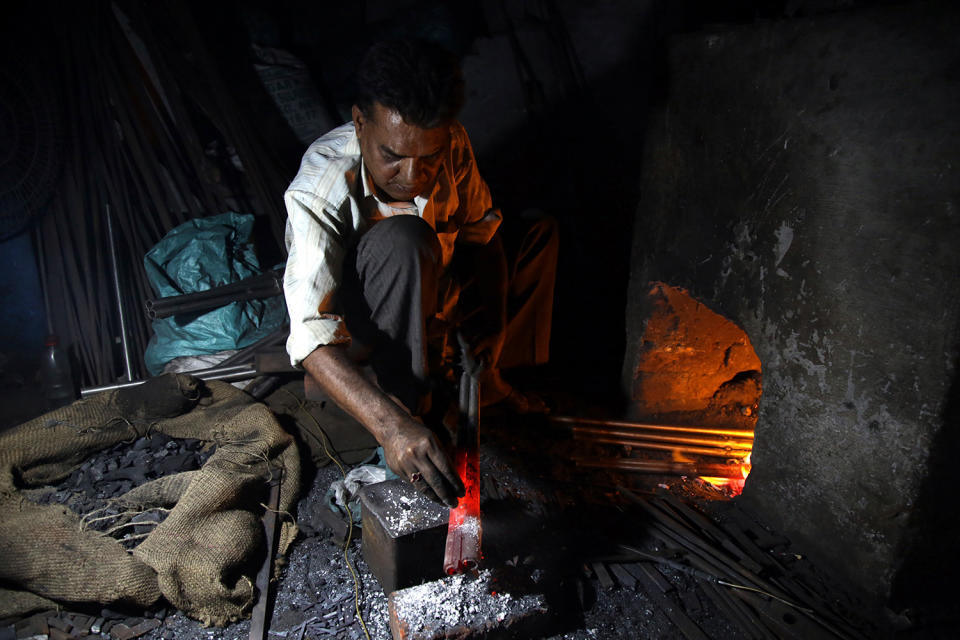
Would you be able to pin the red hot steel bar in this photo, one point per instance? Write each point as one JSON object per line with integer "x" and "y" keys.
{"x": 462, "y": 552}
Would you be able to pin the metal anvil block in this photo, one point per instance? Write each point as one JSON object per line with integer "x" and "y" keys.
{"x": 404, "y": 534}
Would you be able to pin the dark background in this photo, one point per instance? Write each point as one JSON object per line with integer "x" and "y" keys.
{"x": 558, "y": 93}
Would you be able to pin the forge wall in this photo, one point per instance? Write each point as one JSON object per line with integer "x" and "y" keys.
{"x": 802, "y": 178}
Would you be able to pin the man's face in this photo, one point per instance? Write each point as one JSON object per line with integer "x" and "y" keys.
{"x": 403, "y": 160}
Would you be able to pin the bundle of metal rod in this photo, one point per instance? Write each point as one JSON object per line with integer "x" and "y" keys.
{"x": 743, "y": 434}
{"x": 720, "y": 451}
{"x": 707, "y": 441}
{"x": 265, "y": 285}
{"x": 145, "y": 154}
{"x": 763, "y": 595}
{"x": 462, "y": 550}
{"x": 663, "y": 467}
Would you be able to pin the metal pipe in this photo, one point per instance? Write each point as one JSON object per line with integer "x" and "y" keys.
{"x": 42, "y": 268}
{"x": 269, "y": 278}
{"x": 230, "y": 376}
{"x": 640, "y": 444}
{"x": 125, "y": 346}
{"x": 656, "y": 437}
{"x": 236, "y": 372}
{"x": 713, "y": 431}
{"x": 209, "y": 302}
{"x": 264, "y": 285}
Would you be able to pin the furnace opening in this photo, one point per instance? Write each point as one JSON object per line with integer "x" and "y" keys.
{"x": 697, "y": 369}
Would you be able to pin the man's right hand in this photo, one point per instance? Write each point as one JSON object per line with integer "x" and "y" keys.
{"x": 415, "y": 453}
{"x": 412, "y": 450}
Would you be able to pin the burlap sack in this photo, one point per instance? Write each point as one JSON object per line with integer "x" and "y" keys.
{"x": 202, "y": 557}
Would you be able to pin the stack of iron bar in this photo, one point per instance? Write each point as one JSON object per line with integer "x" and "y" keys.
{"x": 765, "y": 591}
{"x": 706, "y": 451}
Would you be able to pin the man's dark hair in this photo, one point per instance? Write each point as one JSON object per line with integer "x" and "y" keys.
{"x": 419, "y": 80}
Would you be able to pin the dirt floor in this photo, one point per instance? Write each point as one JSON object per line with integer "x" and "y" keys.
{"x": 614, "y": 556}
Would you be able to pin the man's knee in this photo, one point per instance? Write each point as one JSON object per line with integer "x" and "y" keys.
{"x": 399, "y": 237}
{"x": 541, "y": 237}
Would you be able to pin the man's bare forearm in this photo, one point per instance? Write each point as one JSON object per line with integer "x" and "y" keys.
{"x": 411, "y": 449}
{"x": 353, "y": 392}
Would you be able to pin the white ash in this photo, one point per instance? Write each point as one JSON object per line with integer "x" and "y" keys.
{"x": 410, "y": 511}
{"x": 460, "y": 601}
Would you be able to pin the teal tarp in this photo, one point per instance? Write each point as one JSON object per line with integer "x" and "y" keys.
{"x": 196, "y": 256}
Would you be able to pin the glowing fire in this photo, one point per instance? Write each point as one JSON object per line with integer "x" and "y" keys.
{"x": 462, "y": 551}
{"x": 733, "y": 485}
{"x": 699, "y": 368}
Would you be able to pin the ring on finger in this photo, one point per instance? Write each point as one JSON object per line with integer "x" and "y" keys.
{"x": 416, "y": 477}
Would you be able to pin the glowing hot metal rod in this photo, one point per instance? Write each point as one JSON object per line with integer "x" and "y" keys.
{"x": 462, "y": 551}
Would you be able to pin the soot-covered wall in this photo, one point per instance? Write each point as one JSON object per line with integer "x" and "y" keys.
{"x": 802, "y": 180}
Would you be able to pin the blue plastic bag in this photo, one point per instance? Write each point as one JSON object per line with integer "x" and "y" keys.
{"x": 196, "y": 256}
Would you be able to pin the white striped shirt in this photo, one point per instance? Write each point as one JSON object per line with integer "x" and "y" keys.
{"x": 328, "y": 207}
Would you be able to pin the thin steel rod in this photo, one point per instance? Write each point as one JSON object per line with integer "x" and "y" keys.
{"x": 213, "y": 373}
{"x": 125, "y": 346}
{"x": 727, "y": 443}
{"x": 640, "y": 444}
{"x": 715, "y": 431}
{"x": 42, "y": 268}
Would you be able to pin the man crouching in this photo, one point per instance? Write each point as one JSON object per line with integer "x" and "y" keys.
{"x": 377, "y": 214}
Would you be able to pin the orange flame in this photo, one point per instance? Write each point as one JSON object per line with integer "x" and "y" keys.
{"x": 699, "y": 364}
{"x": 733, "y": 485}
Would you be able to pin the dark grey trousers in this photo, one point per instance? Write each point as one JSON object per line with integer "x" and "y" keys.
{"x": 390, "y": 294}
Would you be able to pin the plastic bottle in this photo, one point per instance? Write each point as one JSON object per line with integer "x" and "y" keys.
{"x": 56, "y": 375}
